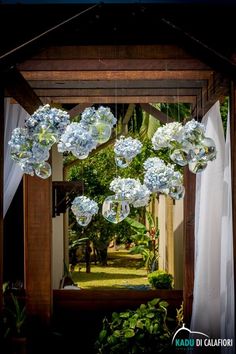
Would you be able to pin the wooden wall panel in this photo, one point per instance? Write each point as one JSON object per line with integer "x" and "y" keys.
{"x": 38, "y": 248}
{"x": 189, "y": 220}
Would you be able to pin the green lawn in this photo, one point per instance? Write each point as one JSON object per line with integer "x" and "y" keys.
{"x": 123, "y": 271}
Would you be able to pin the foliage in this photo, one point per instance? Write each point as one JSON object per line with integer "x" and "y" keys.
{"x": 180, "y": 315}
{"x": 143, "y": 330}
{"x": 146, "y": 241}
{"x": 97, "y": 172}
{"x": 99, "y": 169}
{"x": 15, "y": 315}
{"x": 176, "y": 111}
{"x": 224, "y": 107}
{"x": 160, "y": 279}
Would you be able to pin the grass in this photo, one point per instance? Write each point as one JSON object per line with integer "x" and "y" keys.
{"x": 123, "y": 271}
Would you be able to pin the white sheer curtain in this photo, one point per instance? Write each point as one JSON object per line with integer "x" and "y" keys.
{"x": 208, "y": 215}
{"x": 15, "y": 116}
{"x": 227, "y": 261}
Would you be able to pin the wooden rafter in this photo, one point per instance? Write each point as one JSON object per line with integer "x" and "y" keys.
{"x": 18, "y": 88}
{"x": 104, "y": 84}
{"x": 112, "y": 64}
{"x": 123, "y": 99}
{"x": 103, "y": 52}
{"x": 117, "y": 75}
{"x": 117, "y": 92}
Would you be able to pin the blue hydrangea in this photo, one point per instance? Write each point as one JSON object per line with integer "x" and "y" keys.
{"x": 76, "y": 140}
{"x": 48, "y": 120}
{"x": 127, "y": 147}
{"x": 84, "y": 205}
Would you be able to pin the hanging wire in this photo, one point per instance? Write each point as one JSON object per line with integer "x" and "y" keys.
{"x": 82, "y": 172}
{"x": 178, "y": 104}
{"x": 116, "y": 129}
{"x": 47, "y": 31}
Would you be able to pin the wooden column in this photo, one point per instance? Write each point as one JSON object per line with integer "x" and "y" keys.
{"x": 38, "y": 248}
{"x": 1, "y": 186}
{"x": 189, "y": 219}
{"x": 233, "y": 167}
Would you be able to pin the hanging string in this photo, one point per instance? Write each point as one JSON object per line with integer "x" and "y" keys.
{"x": 167, "y": 111}
{"x": 82, "y": 173}
{"x": 178, "y": 104}
{"x": 47, "y": 31}
{"x": 167, "y": 104}
{"x": 116, "y": 129}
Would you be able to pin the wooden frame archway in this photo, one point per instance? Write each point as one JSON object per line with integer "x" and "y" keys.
{"x": 87, "y": 74}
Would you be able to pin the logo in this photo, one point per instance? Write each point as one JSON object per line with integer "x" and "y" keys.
{"x": 184, "y": 339}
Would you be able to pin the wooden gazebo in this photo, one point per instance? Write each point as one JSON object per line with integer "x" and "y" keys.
{"x": 84, "y": 54}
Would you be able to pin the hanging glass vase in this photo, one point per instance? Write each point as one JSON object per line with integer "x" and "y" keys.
{"x": 80, "y": 155}
{"x": 115, "y": 209}
{"x": 177, "y": 192}
{"x": 197, "y": 166}
{"x": 45, "y": 137}
{"x": 210, "y": 149}
{"x": 83, "y": 219}
{"x": 180, "y": 157}
{"x": 43, "y": 170}
{"x": 196, "y": 153}
{"x": 100, "y": 131}
{"x": 122, "y": 162}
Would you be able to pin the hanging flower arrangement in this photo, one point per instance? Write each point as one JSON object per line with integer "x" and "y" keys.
{"x": 125, "y": 150}
{"x": 188, "y": 144}
{"x": 30, "y": 146}
{"x": 29, "y": 154}
{"x": 83, "y": 209}
{"x": 47, "y": 124}
{"x": 162, "y": 178}
{"x": 98, "y": 122}
{"x": 76, "y": 140}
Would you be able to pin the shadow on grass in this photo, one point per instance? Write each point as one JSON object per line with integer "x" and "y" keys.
{"x": 84, "y": 277}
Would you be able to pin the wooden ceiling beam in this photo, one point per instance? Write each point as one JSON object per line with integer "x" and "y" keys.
{"x": 118, "y": 99}
{"x": 84, "y": 84}
{"x": 158, "y": 51}
{"x": 112, "y": 64}
{"x": 116, "y": 92}
{"x": 117, "y": 75}
{"x": 217, "y": 90}
{"x": 18, "y": 88}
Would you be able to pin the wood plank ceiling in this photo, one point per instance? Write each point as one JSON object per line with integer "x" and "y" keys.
{"x": 121, "y": 74}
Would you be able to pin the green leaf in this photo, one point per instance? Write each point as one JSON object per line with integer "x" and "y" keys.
{"x": 150, "y": 219}
{"x": 124, "y": 315}
{"x": 132, "y": 323}
{"x": 163, "y": 304}
{"x": 154, "y": 302}
{"x": 139, "y": 324}
{"x": 136, "y": 225}
{"x": 117, "y": 333}
{"x": 102, "y": 335}
{"x": 150, "y": 315}
{"x": 129, "y": 333}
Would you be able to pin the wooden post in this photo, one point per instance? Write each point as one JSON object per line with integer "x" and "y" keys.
{"x": 189, "y": 218}
{"x": 1, "y": 186}
{"x": 38, "y": 249}
{"x": 233, "y": 167}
